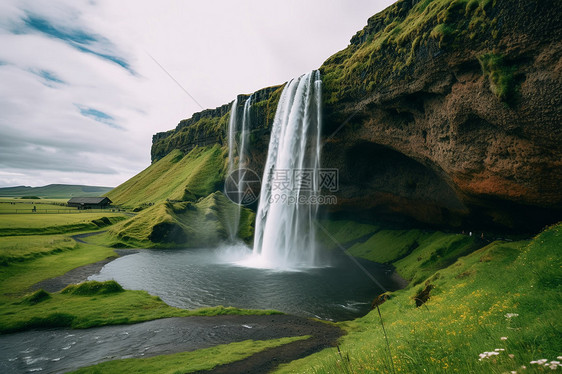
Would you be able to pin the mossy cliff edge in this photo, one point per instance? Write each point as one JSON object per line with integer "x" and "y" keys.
{"x": 444, "y": 112}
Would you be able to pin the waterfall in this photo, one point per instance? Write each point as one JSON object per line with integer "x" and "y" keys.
{"x": 285, "y": 232}
{"x": 237, "y": 149}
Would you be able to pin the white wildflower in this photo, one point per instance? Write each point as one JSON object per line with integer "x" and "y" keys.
{"x": 503, "y": 338}
{"x": 511, "y": 315}
{"x": 487, "y": 355}
{"x": 542, "y": 361}
{"x": 499, "y": 349}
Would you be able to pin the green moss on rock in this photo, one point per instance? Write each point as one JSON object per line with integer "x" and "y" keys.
{"x": 501, "y": 76}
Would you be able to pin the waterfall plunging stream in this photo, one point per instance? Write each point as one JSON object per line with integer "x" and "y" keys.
{"x": 285, "y": 232}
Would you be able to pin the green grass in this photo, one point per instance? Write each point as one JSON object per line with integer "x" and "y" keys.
{"x": 186, "y": 224}
{"x": 45, "y": 224}
{"x": 24, "y": 248}
{"x": 91, "y": 288}
{"x": 188, "y": 362}
{"x": 9, "y": 205}
{"x": 415, "y": 254}
{"x": 388, "y": 245}
{"x": 343, "y": 232}
{"x": 17, "y": 277}
{"x": 174, "y": 177}
{"x": 96, "y": 304}
{"x": 465, "y": 316}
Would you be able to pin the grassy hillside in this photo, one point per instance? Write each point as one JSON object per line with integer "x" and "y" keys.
{"x": 55, "y": 191}
{"x": 503, "y": 298}
{"x": 174, "y": 177}
{"x": 178, "y": 203}
{"x": 189, "y": 224}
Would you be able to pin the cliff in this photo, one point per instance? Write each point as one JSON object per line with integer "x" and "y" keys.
{"x": 211, "y": 126}
{"x": 445, "y": 112}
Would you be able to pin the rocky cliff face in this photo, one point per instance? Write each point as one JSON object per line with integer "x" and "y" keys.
{"x": 446, "y": 112}
{"x": 456, "y": 121}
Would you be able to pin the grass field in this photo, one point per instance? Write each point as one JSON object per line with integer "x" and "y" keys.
{"x": 503, "y": 298}
{"x": 24, "y": 248}
{"x": 41, "y": 224}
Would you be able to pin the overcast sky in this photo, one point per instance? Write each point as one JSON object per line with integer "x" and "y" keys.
{"x": 84, "y": 84}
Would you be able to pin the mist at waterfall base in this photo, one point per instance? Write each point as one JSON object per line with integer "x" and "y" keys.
{"x": 206, "y": 277}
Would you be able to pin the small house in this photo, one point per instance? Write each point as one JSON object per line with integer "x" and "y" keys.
{"x": 89, "y": 202}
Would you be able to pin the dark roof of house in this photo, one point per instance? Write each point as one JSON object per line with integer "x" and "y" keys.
{"x": 88, "y": 200}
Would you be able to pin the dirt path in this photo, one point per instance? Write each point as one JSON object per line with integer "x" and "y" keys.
{"x": 79, "y": 237}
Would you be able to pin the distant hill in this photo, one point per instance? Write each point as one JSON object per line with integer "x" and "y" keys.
{"x": 55, "y": 191}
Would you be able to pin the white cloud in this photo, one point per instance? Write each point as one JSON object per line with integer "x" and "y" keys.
{"x": 81, "y": 97}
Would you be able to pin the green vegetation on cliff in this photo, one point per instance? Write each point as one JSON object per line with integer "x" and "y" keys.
{"x": 500, "y": 76}
{"x": 211, "y": 126}
{"x": 502, "y": 298}
{"x": 384, "y": 51}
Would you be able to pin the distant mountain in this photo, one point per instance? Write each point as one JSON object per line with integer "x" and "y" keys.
{"x": 55, "y": 191}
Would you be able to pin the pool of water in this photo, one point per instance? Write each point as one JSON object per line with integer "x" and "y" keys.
{"x": 195, "y": 278}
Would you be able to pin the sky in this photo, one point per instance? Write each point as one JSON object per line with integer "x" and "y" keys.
{"x": 84, "y": 84}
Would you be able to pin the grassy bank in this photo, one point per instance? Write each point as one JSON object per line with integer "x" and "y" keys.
{"x": 188, "y": 362}
{"x": 503, "y": 298}
{"x": 46, "y": 224}
{"x": 107, "y": 304}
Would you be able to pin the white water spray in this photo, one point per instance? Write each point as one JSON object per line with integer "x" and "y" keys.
{"x": 285, "y": 232}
